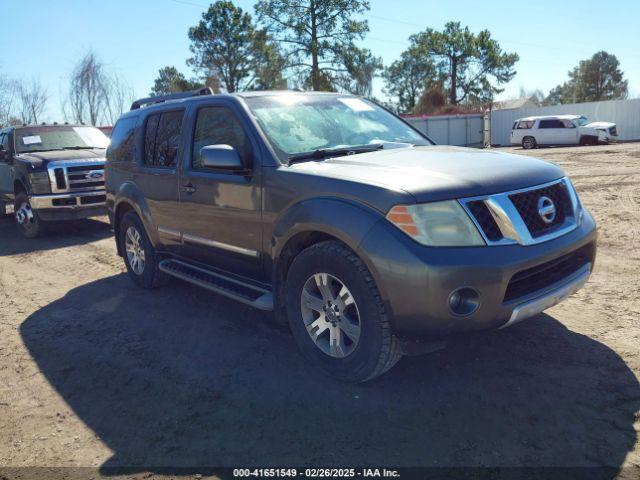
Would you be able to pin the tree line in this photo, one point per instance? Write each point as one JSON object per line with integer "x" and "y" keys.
{"x": 313, "y": 45}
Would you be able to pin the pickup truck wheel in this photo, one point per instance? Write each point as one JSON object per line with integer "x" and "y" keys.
{"x": 27, "y": 219}
{"x": 529, "y": 143}
{"x": 139, "y": 255}
{"x": 337, "y": 316}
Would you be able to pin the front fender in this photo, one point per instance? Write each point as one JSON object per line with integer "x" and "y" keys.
{"x": 130, "y": 194}
{"x": 346, "y": 220}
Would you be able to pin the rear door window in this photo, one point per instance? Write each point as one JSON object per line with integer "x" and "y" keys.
{"x": 162, "y": 139}
{"x": 551, "y": 124}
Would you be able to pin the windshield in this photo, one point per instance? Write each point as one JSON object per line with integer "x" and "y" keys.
{"x": 296, "y": 124}
{"x": 56, "y": 137}
{"x": 582, "y": 121}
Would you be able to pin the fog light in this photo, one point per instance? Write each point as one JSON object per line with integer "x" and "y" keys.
{"x": 464, "y": 301}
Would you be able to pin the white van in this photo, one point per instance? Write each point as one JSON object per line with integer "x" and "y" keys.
{"x": 560, "y": 130}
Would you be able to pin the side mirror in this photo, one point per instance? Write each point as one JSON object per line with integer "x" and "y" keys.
{"x": 4, "y": 154}
{"x": 220, "y": 157}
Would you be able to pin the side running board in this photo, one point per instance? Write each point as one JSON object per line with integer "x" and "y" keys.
{"x": 242, "y": 292}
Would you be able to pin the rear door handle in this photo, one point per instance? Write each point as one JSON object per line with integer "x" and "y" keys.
{"x": 189, "y": 188}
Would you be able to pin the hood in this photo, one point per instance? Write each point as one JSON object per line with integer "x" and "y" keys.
{"x": 600, "y": 125}
{"x": 438, "y": 172}
{"x": 42, "y": 158}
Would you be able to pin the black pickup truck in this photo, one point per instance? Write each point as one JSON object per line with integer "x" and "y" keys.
{"x": 347, "y": 222}
{"x": 50, "y": 173}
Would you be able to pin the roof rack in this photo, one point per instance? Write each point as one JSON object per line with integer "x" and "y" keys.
{"x": 171, "y": 96}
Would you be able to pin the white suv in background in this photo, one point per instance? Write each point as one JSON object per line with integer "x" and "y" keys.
{"x": 560, "y": 130}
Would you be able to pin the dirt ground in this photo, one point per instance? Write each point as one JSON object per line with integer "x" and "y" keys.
{"x": 95, "y": 372}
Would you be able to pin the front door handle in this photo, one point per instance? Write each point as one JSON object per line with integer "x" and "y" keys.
{"x": 189, "y": 188}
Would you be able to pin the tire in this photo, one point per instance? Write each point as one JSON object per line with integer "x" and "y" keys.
{"x": 29, "y": 222}
{"x": 331, "y": 265}
{"x": 143, "y": 271}
{"x": 529, "y": 142}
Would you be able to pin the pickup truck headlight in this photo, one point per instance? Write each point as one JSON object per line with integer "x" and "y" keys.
{"x": 40, "y": 182}
{"x": 437, "y": 224}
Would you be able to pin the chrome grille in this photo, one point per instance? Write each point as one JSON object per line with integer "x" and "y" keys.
{"x": 514, "y": 217}
{"x": 75, "y": 176}
{"x": 527, "y": 205}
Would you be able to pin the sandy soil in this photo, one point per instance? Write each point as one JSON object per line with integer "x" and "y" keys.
{"x": 97, "y": 373}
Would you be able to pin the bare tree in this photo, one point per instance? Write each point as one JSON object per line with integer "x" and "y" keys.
{"x": 95, "y": 95}
{"x": 118, "y": 97}
{"x": 8, "y": 100}
{"x": 33, "y": 99}
{"x": 87, "y": 90}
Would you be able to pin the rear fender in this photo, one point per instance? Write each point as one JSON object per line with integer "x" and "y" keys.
{"x": 130, "y": 195}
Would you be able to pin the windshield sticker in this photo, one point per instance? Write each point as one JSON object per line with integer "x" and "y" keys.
{"x": 356, "y": 104}
{"x": 31, "y": 140}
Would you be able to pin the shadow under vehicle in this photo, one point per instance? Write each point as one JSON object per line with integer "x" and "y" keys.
{"x": 181, "y": 378}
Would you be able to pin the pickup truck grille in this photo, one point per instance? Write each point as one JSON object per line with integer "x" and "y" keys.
{"x": 85, "y": 177}
{"x": 527, "y": 205}
{"x": 73, "y": 176}
{"x": 516, "y": 216}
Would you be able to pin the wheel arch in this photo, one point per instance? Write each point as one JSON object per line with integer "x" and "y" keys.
{"x": 129, "y": 198}
{"x": 19, "y": 186}
{"x": 314, "y": 221}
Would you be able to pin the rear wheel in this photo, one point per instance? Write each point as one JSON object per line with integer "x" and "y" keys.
{"x": 139, "y": 255}
{"x": 27, "y": 219}
{"x": 337, "y": 316}
{"x": 529, "y": 143}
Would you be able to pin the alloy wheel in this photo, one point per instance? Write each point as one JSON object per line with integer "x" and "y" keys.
{"x": 24, "y": 215}
{"x": 330, "y": 315}
{"x": 135, "y": 250}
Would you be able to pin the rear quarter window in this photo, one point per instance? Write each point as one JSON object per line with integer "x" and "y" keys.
{"x": 162, "y": 139}
{"x": 122, "y": 138}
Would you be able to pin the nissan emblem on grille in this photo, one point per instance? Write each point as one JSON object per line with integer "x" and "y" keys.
{"x": 546, "y": 209}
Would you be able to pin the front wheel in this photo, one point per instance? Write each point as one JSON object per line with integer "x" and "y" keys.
{"x": 337, "y": 316}
{"x": 139, "y": 255}
{"x": 27, "y": 219}
{"x": 529, "y": 143}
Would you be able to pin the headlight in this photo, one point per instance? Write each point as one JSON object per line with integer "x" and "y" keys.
{"x": 437, "y": 224}
{"x": 40, "y": 182}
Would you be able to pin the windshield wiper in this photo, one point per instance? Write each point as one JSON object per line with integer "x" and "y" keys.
{"x": 78, "y": 148}
{"x": 322, "y": 153}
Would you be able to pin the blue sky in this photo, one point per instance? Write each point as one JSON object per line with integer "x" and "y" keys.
{"x": 137, "y": 37}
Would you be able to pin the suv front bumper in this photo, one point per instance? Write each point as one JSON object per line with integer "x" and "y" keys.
{"x": 69, "y": 206}
{"x": 416, "y": 282}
